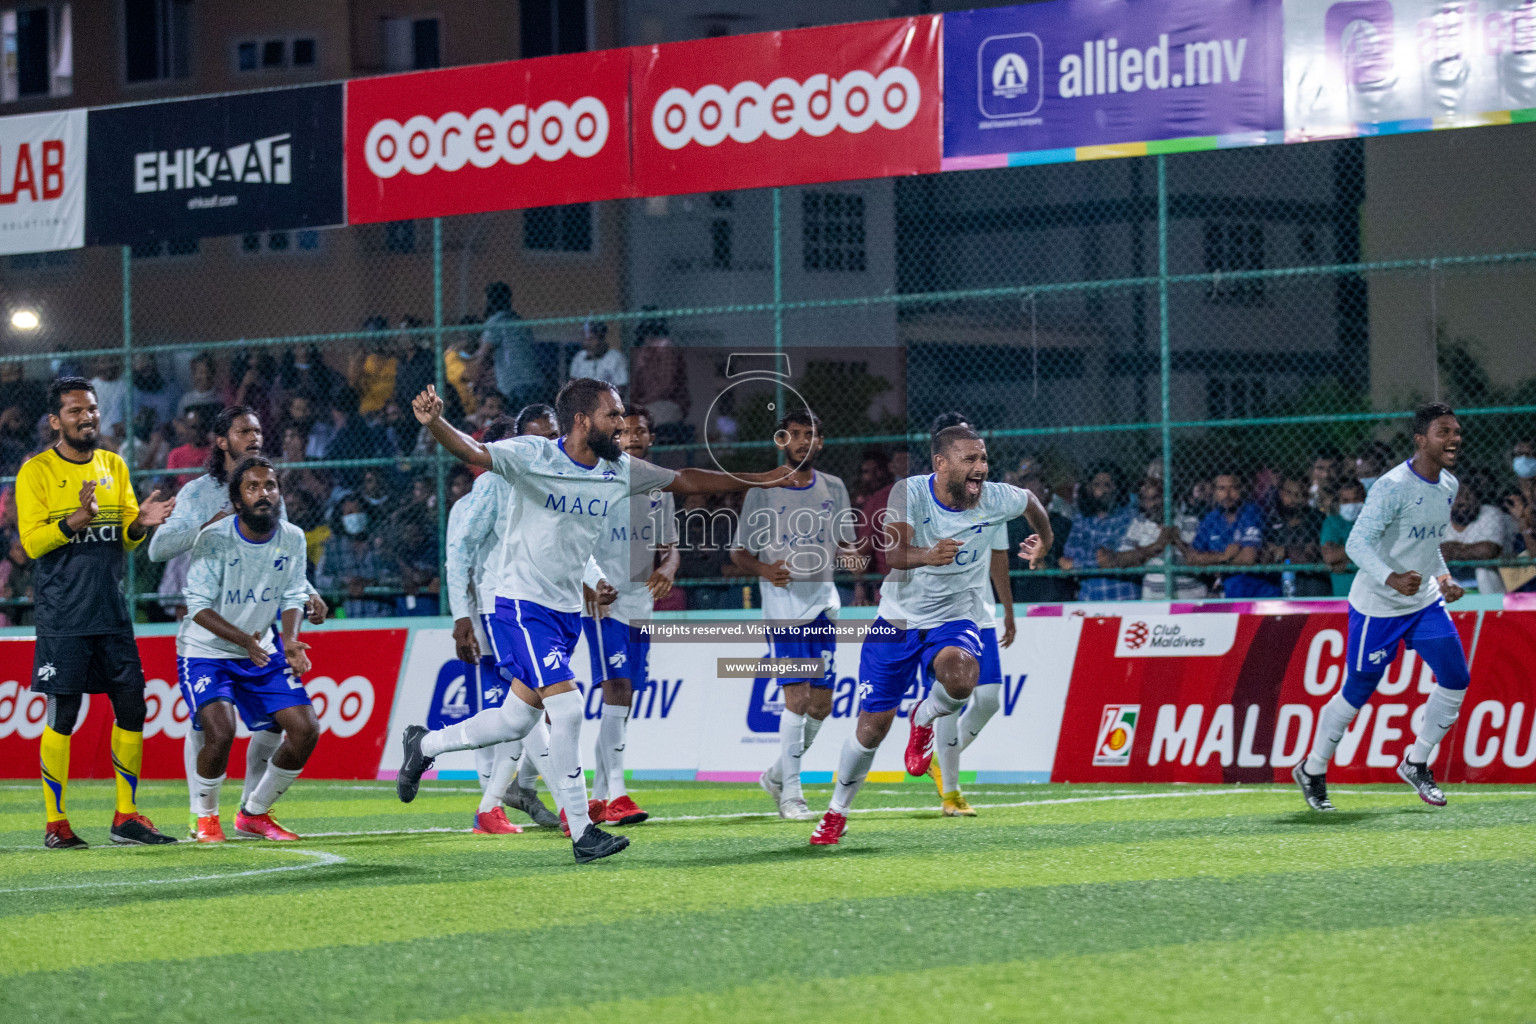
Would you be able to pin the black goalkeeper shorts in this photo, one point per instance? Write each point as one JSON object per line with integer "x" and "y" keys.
{"x": 104, "y": 663}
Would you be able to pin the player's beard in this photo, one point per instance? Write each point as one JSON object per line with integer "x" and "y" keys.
{"x": 261, "y": 518}
{"x": 79, "y": 439}
{"x": 605, "y": 446}
{"x": 956, "y": 497}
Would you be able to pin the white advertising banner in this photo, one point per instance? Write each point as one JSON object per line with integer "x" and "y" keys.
{"x": 687, "y": 723}
{"x": 42, "y": 181}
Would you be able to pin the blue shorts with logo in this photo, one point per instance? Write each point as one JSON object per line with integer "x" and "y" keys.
{"x": 256, "y": 692}
{"x": 814, "y": 639}
{"x": 892, "y": 657}
{"x": 1373, "y": 640}
{"x": 493, "y": 678}
{"x": 534, "y": 643}
{"x": 991, "y": 661}
{"x": 616, "y": 651}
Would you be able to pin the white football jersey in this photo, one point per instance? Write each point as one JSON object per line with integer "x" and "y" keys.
{"x": 558, "y": 510}
{"x": 803, "y": 527}
{"x": 198, "y": 501}
{"x": 1401, "y": 528}
{"x": 250, "y": 585}
{"x": 626, "y": 551}
{"x": 474, "y": 533}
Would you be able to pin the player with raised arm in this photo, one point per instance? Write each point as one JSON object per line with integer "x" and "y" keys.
{"x": 563, "y": 492}
{"x": 78, "y": 517}
{"x": 938, "y": 533}
{"x": 637, "y": 555}
{"x": 247, "y": 574}
{"x": 791, "y": 538}
{"x": 201, "y": 502}
{"x": 953, "y": 733}
{"x": 1400, "y": 594}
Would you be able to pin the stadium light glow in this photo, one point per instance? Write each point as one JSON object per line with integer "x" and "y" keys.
{"x": 25, "y": 320}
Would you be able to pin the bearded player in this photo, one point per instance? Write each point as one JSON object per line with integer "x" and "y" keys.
{"x": 938, "y": 530}
{"x": 1399, "y": 595}
{"x": 247, "y": 573}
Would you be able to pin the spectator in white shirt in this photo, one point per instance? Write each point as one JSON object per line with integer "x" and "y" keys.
{"x": 1478, "y": 531}
{"x": 597, "y": 360}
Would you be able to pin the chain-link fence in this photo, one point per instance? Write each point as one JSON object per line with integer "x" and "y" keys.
{"x": 1185, "y": 355}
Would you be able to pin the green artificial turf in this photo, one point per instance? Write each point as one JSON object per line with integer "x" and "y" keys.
{"x": 1058, "y": 903}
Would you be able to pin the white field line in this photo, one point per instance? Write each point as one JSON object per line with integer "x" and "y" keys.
{"x": 320, "y": 859}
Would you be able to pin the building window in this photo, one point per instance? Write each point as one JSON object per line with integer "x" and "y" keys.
{"x": 412, "y": 44}
{"x": 162, "y": 247}
{"x": 303, "y": 53}
{"x": 558, "y": 228}
{"x": 1234, "y": 398}
{"x": 306, "y": 240}
{"x": 1229, "y": 248}
{"x": 554, "y": 26}
{"x": 157, "y": 39}
{"x": 832, "y": 231}
{"x": 274, "y": 54}
{"x": 37, "y": 44}
{"x": 400, "y": 236}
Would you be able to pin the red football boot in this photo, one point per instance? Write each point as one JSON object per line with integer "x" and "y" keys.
{"x": 261, "y": 826}
{"x": 919, "y": 748}
{"x": 495, "y": 823}
{"x": 831, "y": 829}
{"x": 209, "y": 830}
{"x": 623, "y": 811}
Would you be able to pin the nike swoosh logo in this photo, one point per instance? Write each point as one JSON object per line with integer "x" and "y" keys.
{"x": 840, "y": 782}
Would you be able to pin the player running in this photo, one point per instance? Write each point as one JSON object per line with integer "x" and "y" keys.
{"x": 637, "y": 555}
{"x": 78, "y": 516}
{"x": 1400, "y": 594}
{"x": 938, "y": 529}
{"x": 201, "y": 502}
{"x": 791, "y": 538}
{"x": 953, "y": 733}
{"x": 474, "y": 534}
{"x": 247, "y": 572}
{"x": 563, "y": 492}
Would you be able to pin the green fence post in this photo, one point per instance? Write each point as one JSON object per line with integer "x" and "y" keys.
{"x": 1165, "y": 363}
{"x": 132, "y": 587}
{"x": 778, "y": 300}
{"x": 442, "y": 384}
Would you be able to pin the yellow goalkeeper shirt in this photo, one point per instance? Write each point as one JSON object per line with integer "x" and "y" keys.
{"x": 78, "y": 581}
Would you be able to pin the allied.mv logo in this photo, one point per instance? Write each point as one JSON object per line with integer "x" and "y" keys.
{"x": 1010, "y": 75}
{"x": 1117, "y": 734}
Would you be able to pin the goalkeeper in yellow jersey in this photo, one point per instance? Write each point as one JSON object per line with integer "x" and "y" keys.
{"x": 78, "y": 517}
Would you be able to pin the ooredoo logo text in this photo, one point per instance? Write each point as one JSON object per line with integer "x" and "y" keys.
{"x": 783, "y": 108}
{"x": 550, "y": 131}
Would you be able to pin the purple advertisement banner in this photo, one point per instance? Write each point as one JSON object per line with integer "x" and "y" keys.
{"x": 1069, "y": 73}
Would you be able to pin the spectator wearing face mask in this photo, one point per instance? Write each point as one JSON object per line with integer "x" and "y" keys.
{"x": 1336, "y": 531}
{"x": 1373, "y": 459}
{"x": 1523, "y": 461}
{"x": 351, "y": 562}
{"x": 1479, "y": 530}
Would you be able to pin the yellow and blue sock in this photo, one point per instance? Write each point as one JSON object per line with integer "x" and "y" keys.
{"x": 55, "y": 767}
{"x": 127, "y": 759}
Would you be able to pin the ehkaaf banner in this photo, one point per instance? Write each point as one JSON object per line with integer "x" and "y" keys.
{"x": 42, "y": 181}
{"x": 788, "y": 108}
{"x": 221, "y": 165}
{"x": 1070, "y": 73}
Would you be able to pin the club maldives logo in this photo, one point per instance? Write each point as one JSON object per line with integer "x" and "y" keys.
{"x": 783, "y": 108}
{"x": 1136, "y": 636}
{"x": 1117, "y": 734}
{"x": 1176, "y": 636}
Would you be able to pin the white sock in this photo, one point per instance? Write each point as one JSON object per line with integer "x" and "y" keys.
{"x": 190, "y": 748}
{"x": 274, "y": 783}
{"x": 946, "y": 747}
{"x": 1331, "y": 725}
{"x": 852, "y": 770}
{"x": 791, "y": 750}
{"x": 1440, "y": 713}
{"x": 984, "y": 703}
{"x": 565, "y": 778}
{"x": 258, "y": 753}
{"x": 205, "y": 794}
{"x": 812, "y": 727}
{"x": 599, "y": 768}
{"x": 535, "y": 757}
{"x": 938, "y": 704}
{"x": 612, "y": 731}
{"x": 485, "y": 764}
{"x": 504, "y": 758}
{"x": 511, "y": 721}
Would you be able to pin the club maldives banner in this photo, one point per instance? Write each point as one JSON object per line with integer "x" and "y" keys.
{"x": 1055, "y": 76}
{"x": 492, "y": 137}
{"x": 1235, "y": 698}
{"x": 42, "y": 182}
{"x": 786, "y": 108}
{"x": 1367, "y": 66}
{"x": 220, "y": 165}
{"x": 352, "y": 686}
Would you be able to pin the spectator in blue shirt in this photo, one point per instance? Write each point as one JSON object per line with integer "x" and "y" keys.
{"x": 1102, "y": 518}
{"x": 1232, "y": 534}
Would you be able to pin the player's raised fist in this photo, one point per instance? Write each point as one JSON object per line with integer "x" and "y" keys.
{"x": 944, "y": 552}
{"x": 1450, "y": 589}
{"x": 1405, "y": 583}
{"x": 427, "y": 406}
{"x": 153, "y": 511}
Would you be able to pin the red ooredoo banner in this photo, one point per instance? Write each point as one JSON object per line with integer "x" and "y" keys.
{"x": 787, "y": 108}
{"x": 1235, "y": 698}
{"x": 491, "y": 137}
{"x": 352, "y": 686}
